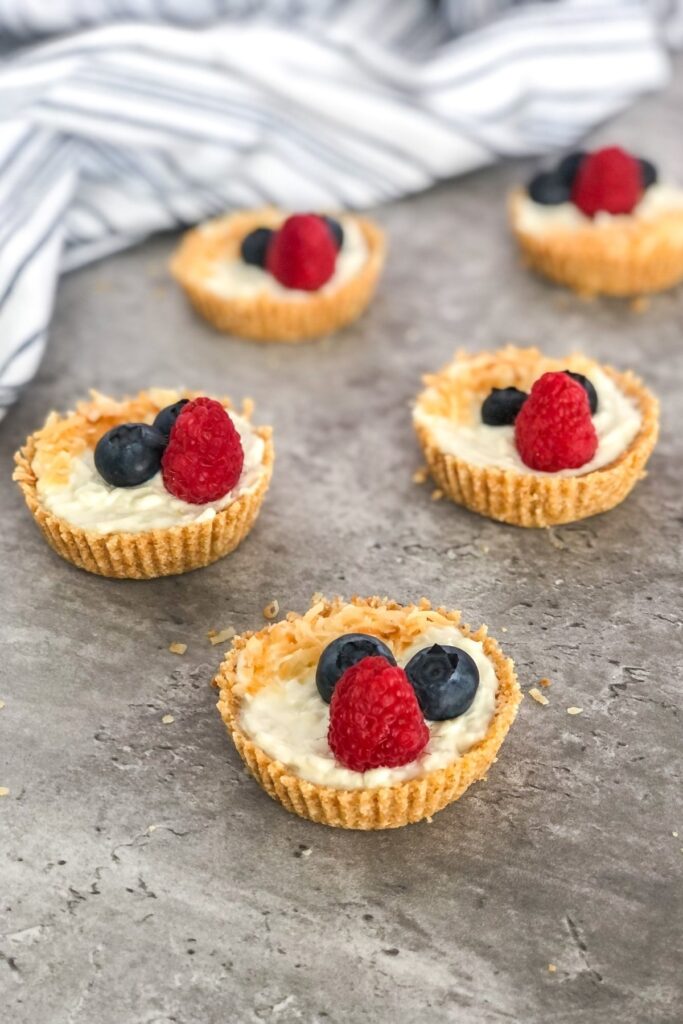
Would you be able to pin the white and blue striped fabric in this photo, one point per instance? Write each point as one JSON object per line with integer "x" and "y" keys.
{"x": 119, "y": 118}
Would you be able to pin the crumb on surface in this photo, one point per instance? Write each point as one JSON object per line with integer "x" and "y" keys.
{"x": 167, "y": 719}
{"x": 675, "y": 835}
{"x": 2, "y": 704}
{"x": 220, "y": 636}
{"x": 539, "y": 697}
{"x": 4, "y": 791}
{"x": 574, "y": 711}
{"x": 545, "y": 681}
{"x": 420, "y": 475}
{"x": 177, "y": 648}
{"x": 555, "y": 540}
{"x": 271, "y": 610}
{"x": 552, "y": 968}
{"x": 437, "y": 494}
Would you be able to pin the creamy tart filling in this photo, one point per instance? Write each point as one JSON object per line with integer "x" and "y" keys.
{"x": 288, "y": 720}
{"x": 617, "y": 422}
{"x": 78, "y": 494}
{"x": 235, "y": 279}
{"x": 537, "y": 218}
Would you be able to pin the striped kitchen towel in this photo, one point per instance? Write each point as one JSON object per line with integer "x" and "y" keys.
{"x": 143, "y": 115}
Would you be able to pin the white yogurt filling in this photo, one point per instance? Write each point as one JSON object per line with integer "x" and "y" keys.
{"x": 87, "y": 501}
{"x": 535, "y": 218}
{"x": 616, "y": 422}
{"x": 235, "y": 279}
{"x": 289, "y": 721}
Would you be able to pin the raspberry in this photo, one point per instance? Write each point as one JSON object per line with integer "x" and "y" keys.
{"x": 375, "y": 720}
{"x": 553, "y": 429}
{"x": 302, "y": 254}
{"x": 204, "y": 457}
{"x": 609, "y": 179}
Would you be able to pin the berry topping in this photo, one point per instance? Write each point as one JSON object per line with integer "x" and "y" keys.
{"x": 336, "y": 230}
{"x": 167, "y": 417}
{"x": 445, "y": 680}
{"x": 375, "y": 719}
{"x": 204, "y": 457}
{"x": 648, "y": 173}
{"x": 548, "y": 189}
{"x": 554, "y": 429}
{"x": 502, "y": 406}
{"x": 568, "y": 166}
{"x": 610, "y": 180}
{"x": 129, "y": 454}
{"x": 588, "y": 388}
{"x": 302, "y": 254}
{"x": 255, "y": 246}
{"x": 341, "y": 654}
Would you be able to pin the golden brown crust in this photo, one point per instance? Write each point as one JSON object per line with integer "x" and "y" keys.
{"x": 385, "y": 806}
{"x": 152, "y": 553}
{"x": 266, "y": 317}
{"x": 525, "y": 499}
{"x": 628, "y": 257}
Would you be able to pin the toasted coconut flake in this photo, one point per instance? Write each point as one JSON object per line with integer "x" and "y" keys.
{"x": 539, "y": 697}
{"x": 167, "y": 719}
{"x": 574, "y": 711}
{"x": 552, "y": 968}
{"x": 177, "y": 648}
{"x": 221, "y": 636}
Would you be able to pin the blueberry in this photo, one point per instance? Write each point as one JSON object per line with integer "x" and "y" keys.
{"x": 648, "y": 173}
{"x": 501, "y": 407}
{"x": 445, "y": 680}
{"x": 568, "y": 166}
{"x": 341, "y": 654}
{"x": 336, "y": 230}
{"x": 548, "y": 189}
{"x": 129, "y": 454}
{"x": 588, "y": 388}
{"x": 167, "y": 417}
{"x": 255, "y": 245}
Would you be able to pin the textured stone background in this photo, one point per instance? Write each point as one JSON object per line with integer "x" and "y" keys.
{"x": 147, "y": 880}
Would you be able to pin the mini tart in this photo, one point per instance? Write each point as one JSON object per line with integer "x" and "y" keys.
{"x": 295, "y": 644}
{"x": 628, "y": 256}
{"x": 527, "y": 498}
{"x": 124, "y": 555}
{"x": 266, "y": 317}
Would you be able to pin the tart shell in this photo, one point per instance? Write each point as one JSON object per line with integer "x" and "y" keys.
{"x": 151, "y": 553}
{"x": 383, "y": 807}
{"x": 629, "y": 257}
{"x": 530, "y": 500}
{"x": 266, "y": 317}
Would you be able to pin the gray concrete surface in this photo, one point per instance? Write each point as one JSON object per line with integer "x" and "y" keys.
{"x": 147, "y": 880}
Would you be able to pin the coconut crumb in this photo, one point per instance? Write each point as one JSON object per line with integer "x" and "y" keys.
{"x": 167, "y": 719}
{"x": 545, "y": 681}
{"x": 4, "y": 791}
{"x": 177, "y": 648}
{"x": 437, "y": 494}
{"x": 640, "y": 304}
{"x": 574, "y": 711}
{"x": 555, "y": 540}
{"x": 538, "y": 696}
{"x": 552, "y": 968}
{"x": 420, "y": 475}
{"x": 220, "y": 636}
{"x": 675, "y": 835}
{"x": 2, "y": 704}
{"x": 271, "y": 610}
